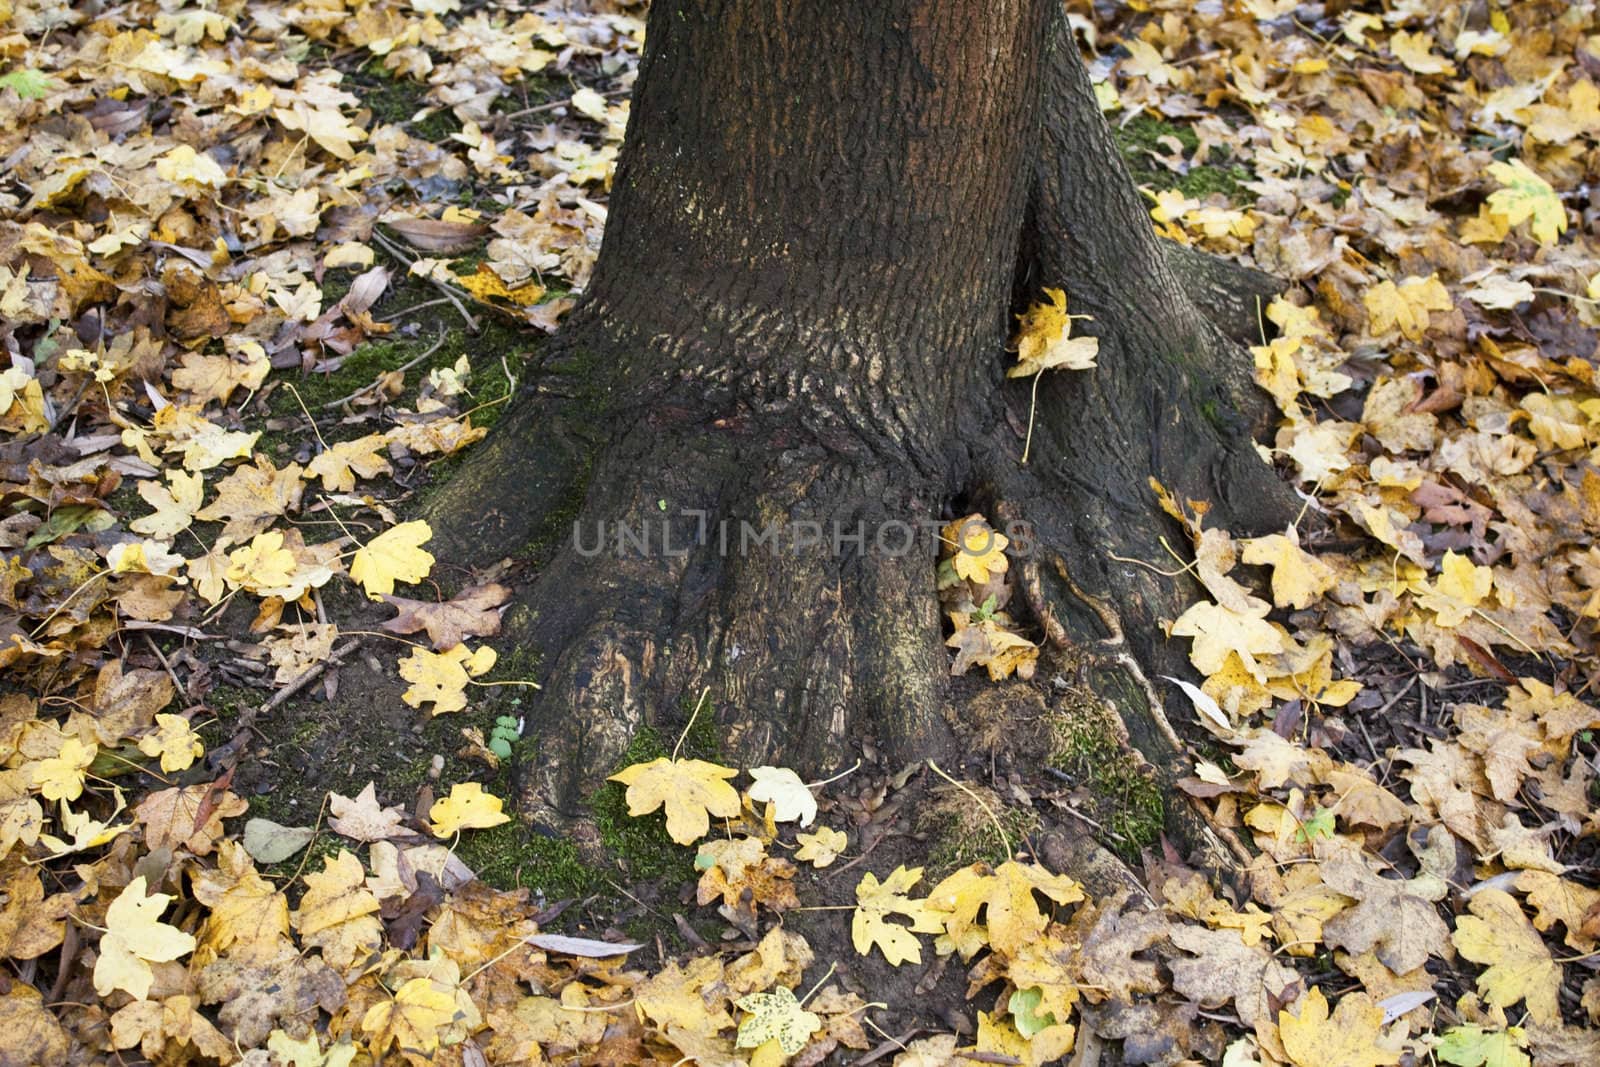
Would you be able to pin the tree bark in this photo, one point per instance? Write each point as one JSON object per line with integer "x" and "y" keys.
{"x": 822, "y": 217}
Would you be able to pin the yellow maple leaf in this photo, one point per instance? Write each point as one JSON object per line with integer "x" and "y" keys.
{"x": 175, "y": 506}
{"x": 414, "y": 1017}
{"x": 1526, "y": 197}
{"x": 692, "y": 791}
{"x": 262, "y": 564}
{"x": 325, "y": 126}
{"x": 776, "y": 1016}
{"x": 1218, "y": 631}
{"x": 1348, "y": 1039}
{"x": 1298, "y": 577}
{"x": 1405, "y": 306}
{"x": 184, "y": 164}
{"x": 396, "y": 555}
{"x": 338, "y": 914}
{"x": 341, "y": 464}
{"x": 135, "y": 938}
{"x": 174, "y": 741}
{"x": 821, "y": 848}
{"x": 61, "y": 777}
{"x": 253, "y": 497}
{"x": 977, "y": 550}
{"x": 876, "y": 901}
{"x": 467, "y": 807}
{"x": 1461, "y": 587}
{"x": 1415, "y": 51}
{"x": 441, "y": 677}
{"x": 1498, "y": 934}
{"x": 1044, "y": 339}
{"x": 1011, "y": 915}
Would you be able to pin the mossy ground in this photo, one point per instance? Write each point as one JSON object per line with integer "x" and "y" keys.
{"x": 1144, "y": 134}
{"x": 1120, "y": 793}
{"x": 964, "y": 826}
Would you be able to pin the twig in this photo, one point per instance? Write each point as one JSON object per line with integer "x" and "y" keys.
{"x": 394, "y": 250}
{"x": 306, "y": 677}
{"x": 370, "y": 386}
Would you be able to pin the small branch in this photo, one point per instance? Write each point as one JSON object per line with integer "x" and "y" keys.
{"x": 394, "y": 250}
{"x": 370, "y": 386}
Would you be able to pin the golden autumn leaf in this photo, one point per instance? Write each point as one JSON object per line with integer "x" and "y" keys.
{"x": 396, "y": 555}
{"x": 1518, "y": 964}
{"x": 691, "y": 790}
{"x": 467, "y": 807}
{"x": 1350, "y": 1038}
{"x": 877, "y": 902}
{"x": 442, "y": 677}
{"x": 135, "y": 938}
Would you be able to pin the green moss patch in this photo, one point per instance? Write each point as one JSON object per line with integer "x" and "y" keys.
{"x": 1118, "y": 789}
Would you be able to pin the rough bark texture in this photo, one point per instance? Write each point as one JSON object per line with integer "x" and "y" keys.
{"x": 822, "y": 216}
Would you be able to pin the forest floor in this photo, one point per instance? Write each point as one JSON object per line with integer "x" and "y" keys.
{"x": 269, "y": 270}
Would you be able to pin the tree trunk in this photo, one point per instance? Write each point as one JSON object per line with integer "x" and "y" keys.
{"x": 821, "y": 217}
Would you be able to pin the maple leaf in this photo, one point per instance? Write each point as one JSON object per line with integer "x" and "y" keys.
{"x": 1225, "y": 969}
{"x": 470, "y": 613}
{"x": 442, "y": 677}
{"x": 1461, "y": 587}
{"x": 325, "y": 126}
{"x": 207, "y": 378}
{"x": 61, "y": 777}
{"x": 1519, "y": 966}
{"x": 413, "y": 1018}
{"x": 1559, "y": 900}
{"x": 1390, "y": 917}
{"x": 395, "y": 555}
{"x": 1348, "y": 1039}
{"x": 776, "y": 1016}
{"x": 337, "y": 914}
{"x": 876, "y": 901}
{"x": 783, "y": 789}
{"x": 1218, "y": 631}
{"x": 1405, "y": 307}
{"x": 1005, "y": 895}
{"x": 1526, "y": 197}
{"x": 744, "y": 876}
{"x": 252, "y": 497}
{"x": 135, "y": 938}
{"x": 1044, "y": 339}
{"x": 340, "y": 464}
{"x": 1298, "y": 577}
{"x": 175, "y": 506}
{"x": 174, "y": 741}
{"x": 821, "y": 848}
{"x": 32, "y": 1033}
{"x": 170, "y": 817}
{"x": 467, "y": 807}
{"x": 1470, "y": 1045}
{"x": 31, "y": 924}
{"x": 364, "y": 819}
{"x": 976, "y": 550}
{"x": 691, "y": 790}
